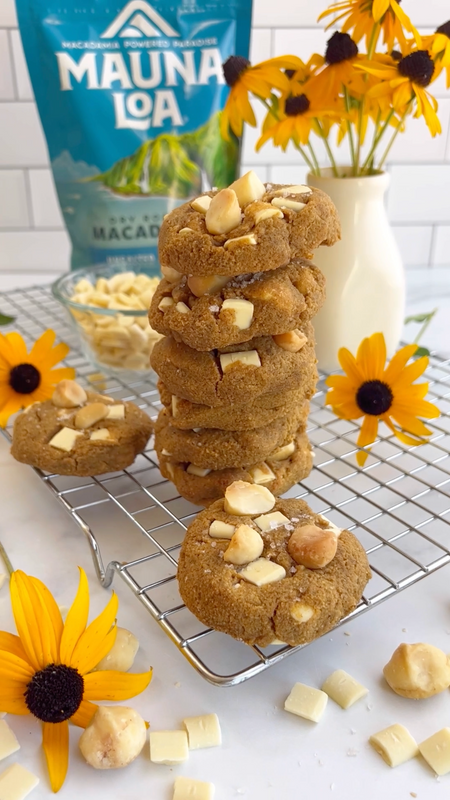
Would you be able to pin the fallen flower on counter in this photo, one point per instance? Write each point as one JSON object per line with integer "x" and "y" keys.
{"x": 46, "y": 669}
{"x": 377, "y": 392}
{"x": 27, "y": 378}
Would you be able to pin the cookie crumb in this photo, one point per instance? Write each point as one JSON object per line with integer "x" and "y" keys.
{"x": 177, "y": 684}
{"x": 353, "y": 731}
{"x": 413, "y": 794}
{"x": 404, "y": 630}
{"x": 352, "y": 752}
{"x": 369, "y": 706}
{"x": 346, "y": 633}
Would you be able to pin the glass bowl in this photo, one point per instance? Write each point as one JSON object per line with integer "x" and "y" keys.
{"x": 110, "y": 316}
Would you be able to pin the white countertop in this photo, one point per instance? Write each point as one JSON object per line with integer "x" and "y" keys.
{"x": 267, "y": 754}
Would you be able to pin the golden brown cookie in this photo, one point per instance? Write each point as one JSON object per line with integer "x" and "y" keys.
{"x": 219, "y": 584}
{"x": 267, "y": 303}
{"x": 216, "y": 449}
{"x": 95, "y": 436}
{"x": 221, "y": 378}
{"x": 204, "y": 489}
{"x": 303, "y": 218}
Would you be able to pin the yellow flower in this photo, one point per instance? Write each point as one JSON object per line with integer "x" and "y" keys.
{"x": 340, "y": 58}
{"x": 440, "y": 50}
{"x": 377, "y": 393}
{"x": 259, "y": 80}
{"x": 26, "y": 378}
{"x": 294, "y": 123}
{"x": 403, "y": 81}
{"x": 360, "y": 17}
{"x": 46, "y": 669}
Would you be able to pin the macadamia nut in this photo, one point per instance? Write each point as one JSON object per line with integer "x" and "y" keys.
{"x": 114, "y": 737}
{"x": 123, "y": 652}
{"x": 418, "y": 671}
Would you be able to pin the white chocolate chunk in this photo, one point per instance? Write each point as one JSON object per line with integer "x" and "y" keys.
{"x": 171, "y": 470}
{"x": 68, "y": 394}
{"x": 224, "y": 213}
{"x": 83, "y": 286}
{"x": 165, "y": 452}
{"x": 114, "y": 737}
{"x": 293, "y": 341}
{"x": 168, "y": 747}
{"x": 282, "y": 453}
{"x": 296, "y": 189}
{"x": 203, "y": 731}
{"x": 208, "y": 284}
{"x": 249, "y": 358}
{"x": 16, "y": 783}
{"x": 191, "y": 789}
{"x": 116, "y": 412}
{"x": 395, "y": 745}
{"x": 277, "y": 641}
{"x": 263, "y": 571}
{"x": 8, "y": 741}
{"x": 306, "y": 702}
{"x": 242, "y": 498}
{"x": 243, "y": 312}
{"x": 249, "y": 238}
{"x": 246, "y": 545}
{"x": 268, "y": 522}
{"x": 221, "y": 530}
{"x": 122, "y": 654}
{"x": 186, "y": 230}
{"x": 343, "y": 689}
{"x": 285, "y": 202}
{"x": 193, "y": 470}
{"x": 331, "y": 526}
{"x": 171, "y": 274}
{"x": 261, "y": 474}
{"x": 182, "y": 308}
{"x": 302, "y": 612}
{"x": 436, "y": 751}
{"x": 248, "y": 188}
{"x": 101, "y": 435}
{"x": 65, "y": 439}
{"x": 90, "y": 414}
{"x": 201, "y": 204}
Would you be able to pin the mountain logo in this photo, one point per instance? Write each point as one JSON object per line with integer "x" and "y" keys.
{"x": 138, "y": 20}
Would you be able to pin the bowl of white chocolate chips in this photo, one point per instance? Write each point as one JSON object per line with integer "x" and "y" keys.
{"x": 108, "y": 308}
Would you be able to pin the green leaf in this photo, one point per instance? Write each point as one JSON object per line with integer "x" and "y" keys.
{"x": 421, "y": 351}
{"x": 421, "y": 317}
{"x": 5, "y": 320}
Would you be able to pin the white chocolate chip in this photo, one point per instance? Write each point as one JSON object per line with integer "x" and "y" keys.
{"x": 68, "y": 394}
{"x": 116, "y": 412}
{"x": 208, "y": 284}
{"x": 249, "y": 238}
{"x": 186, "y": 230}
{"x": 262, "y": 571}
{"x": 171, "y": 470}
{"x": 248, "y": 188}
{"x": 182, "y": 308}
{"x": 101, "y": 435}
{"x": 191, "y": 789}
{"x": 114, "y": 737}
{"x": 90, "y": 414}
{"x": 65, "y": 439}
{"x": 261, "y": 473}
{"x": 224, "y": 213}
{"x": 293, "y": 341}
{"x": 16, "y": 782}
{"x": 331, "y": 526}
{"x": 269, "y": 522}
{"x": 199, "y": 471}
{"x": 243, "y": 498}
{"x": 343, "y": 689}
{"x": 277, "y": 641}
{"x": 8, "y": 740}
{"x": 243, "y": 312}
{"x": 295, "y": 189}
{"x": 171, "y": 274}
{"x": 168, "y": 747}
{"x": 201, "y": 204}
{"x": 436, "y": 751}
{"x": 203, "y": 731}
{"x": 166, "y": 452}
{"x": 285, "y": 202}
{"x": 306, "y": 702}
{"x": 248, "y": 358}
{"x": 221, "y": 530}
{"x": 302, "y": 612}
{"x": 246, "y": 545}
{"x": 395, "y": 745}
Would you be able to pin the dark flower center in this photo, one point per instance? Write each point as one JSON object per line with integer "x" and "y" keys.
{"x": 296, "y": 105}
{"x": 445, "y": 29}
{"x": 374, "y": 397}
{"x": 340, "y": 47}
{"x": 233, "y": 68}
{"x": 396, "y": 55}
{"x": 55, "y": 693}
{"x": 418, "y": 67}
{"x": 289, "y": 73}
{"x": 24, "y": 378}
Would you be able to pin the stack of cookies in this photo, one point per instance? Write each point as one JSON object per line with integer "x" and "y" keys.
{"x": 237, "y": 366}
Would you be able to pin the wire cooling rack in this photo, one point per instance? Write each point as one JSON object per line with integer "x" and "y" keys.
{"x": 134, "y": 520}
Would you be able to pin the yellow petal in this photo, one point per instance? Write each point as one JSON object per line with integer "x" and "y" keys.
{"x": 398, "y": 362}
{"x": 350, "y": 366}
{"x": 14, "y": 668}
{"x": 76, "y": 620}
{"x": 411, "y": 373}
{"x": 83, "y": 716}
{"x": 86, "y": 650}
{"x": 112, "y": 685}
{"x": 55, "y": 355}
{"x": 62, "y": 374}
{"x": 368, "y": 432}
{"x": 408, "y": 423}
{"x": 9, "y": 353}
{"x": 30, "y": 622}
{"x": 12, "y": 643}
{"x": 379, "y": 8}
{"x": 421, "y": 408}
{"x": 12, "y": 700}
{"x": 14, "y": 403}
{"x": 19, "y": 347}
{"x": 378, "y": 355}
{"x": 55, "y": 742}
{"x": 52, "y": 609}
{"x": 364, "y": 359}
{"x": 362, "y": 456}
{"x": 42, "y": 346}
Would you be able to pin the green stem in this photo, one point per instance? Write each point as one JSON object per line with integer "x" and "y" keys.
{"x": 394, "y": 136}
{"x": 328, "y": 149}
{"x": 373, "y": 40}
{"x": 6, "y": 560}
{"x": 377, "y": 139}
{"x": 314, "y": 159}
{"x": 370, "y": 51}
{"x": 350, "y": 131}
{"x": 425, "y": 326}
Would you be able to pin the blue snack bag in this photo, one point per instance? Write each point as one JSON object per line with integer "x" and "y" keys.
{"x": 130, "y": 97}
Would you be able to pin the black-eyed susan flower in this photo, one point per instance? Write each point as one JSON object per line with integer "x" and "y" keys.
{"x": 27, "y": 378}
{"x": 369, "y": 18}
{"x": 377, "y": 392}
{"x": 259, "y": 80}
{"x": 297, "y": 117}
{"x": 339, "y": 72}
{"x": 440, "y": 50}
{"x": 46, "y": 670}
{"x": 403, "y": 82}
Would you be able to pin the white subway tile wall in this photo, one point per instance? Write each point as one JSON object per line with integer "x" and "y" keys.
{"x": 33, "y": 242}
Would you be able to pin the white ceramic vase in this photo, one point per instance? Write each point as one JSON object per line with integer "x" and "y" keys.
{"x": 364, "y": 271}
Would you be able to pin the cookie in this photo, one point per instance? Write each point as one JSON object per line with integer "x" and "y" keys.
{"x": 267, "y": 408}
{"x": 252, "y": 587}
{"x": 268, "y": 303}
{"x": 236, "y": 374}
{"x": 216, "y": 449}
{"x": 204, "y": 489}
{"x": 271, "y": 227}
{"x": 80, "y": 433}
